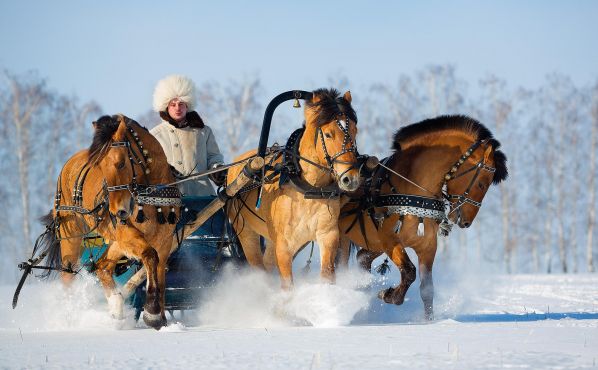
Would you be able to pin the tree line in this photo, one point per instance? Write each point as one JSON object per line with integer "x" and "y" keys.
{"x": 542, "y": 219}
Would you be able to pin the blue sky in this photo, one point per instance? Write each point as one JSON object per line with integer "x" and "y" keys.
{"x": 115, "y": 51}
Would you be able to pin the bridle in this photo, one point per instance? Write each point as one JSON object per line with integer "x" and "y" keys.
{"x": 348, "y": 146}
{"x": 157, "y": 195}
{"x": 133, "y": 186}
{"x": 458, "y": 200}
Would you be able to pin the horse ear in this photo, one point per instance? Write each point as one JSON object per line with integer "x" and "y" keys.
{"x": 347, "y": 96}
{"x": 120, "y": 133}
{"x": 487, "y": 153}
{"x": 315, "y": 98}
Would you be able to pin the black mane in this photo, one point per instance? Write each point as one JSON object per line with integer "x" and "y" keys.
{"x": 460, "y": 123}
{"x": 331, "y": 105}
{"x": 105, "y": 127}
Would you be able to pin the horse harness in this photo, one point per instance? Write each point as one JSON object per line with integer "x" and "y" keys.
{"x": 415, "y": 205}
{"x": 288, "y": 170}
{"x": 393, "y": 203}
{"x": 461, "y": 199}
{"x": 142, "y": 194}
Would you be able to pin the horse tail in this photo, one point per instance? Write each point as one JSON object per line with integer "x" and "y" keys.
{"x": 48, "y": 246}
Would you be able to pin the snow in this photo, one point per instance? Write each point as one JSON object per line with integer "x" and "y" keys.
{"x": 247, "y": 322}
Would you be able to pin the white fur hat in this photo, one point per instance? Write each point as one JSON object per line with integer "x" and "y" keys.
{"x": 171, "y": 87}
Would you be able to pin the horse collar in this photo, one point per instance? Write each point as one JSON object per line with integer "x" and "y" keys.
{"x": 291, "y": 172}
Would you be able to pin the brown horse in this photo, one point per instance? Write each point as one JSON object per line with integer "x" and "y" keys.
{"x": 402, "y": 204}
{"x": 96, "y": 192}
{"x": 324, "y": 155}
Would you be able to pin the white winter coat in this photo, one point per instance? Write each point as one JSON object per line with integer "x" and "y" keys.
{"x": 190, "y": 150}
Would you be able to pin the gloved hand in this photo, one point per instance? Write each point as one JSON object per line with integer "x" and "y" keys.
{"x": 218, "y": 178}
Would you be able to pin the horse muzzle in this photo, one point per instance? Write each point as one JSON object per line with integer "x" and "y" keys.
{"x": 459, "y": 220}
{"x": 349, "y": 182}
{"x": 464, "y": 224}
{"x": 122, "y": 216}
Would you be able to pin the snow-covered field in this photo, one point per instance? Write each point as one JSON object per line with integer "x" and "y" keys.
{"x": 246, "y": 322}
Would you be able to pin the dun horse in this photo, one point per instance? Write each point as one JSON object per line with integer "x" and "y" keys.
{"x": 316, "y": 158}
{"x": 96, "y": 192}
{"x": 450, "y": 157}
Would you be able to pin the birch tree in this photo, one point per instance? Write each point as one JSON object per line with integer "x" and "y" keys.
{"x": 498, "y": 110}
{"x": 232, "y": 111}
{"x": 25, "y": 99}
{"x": 592, "y": 181}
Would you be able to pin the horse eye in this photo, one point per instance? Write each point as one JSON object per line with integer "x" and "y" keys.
{"x": 328, "y": 135}
{"x": 120, "y": 165}
{"x": 481, "y": 186}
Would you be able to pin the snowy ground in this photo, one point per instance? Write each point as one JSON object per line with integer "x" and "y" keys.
{"x": 521, "y": 321}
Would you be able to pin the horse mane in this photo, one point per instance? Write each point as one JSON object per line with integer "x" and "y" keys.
{"x": 105, "y": 127}
{"x": 331, "y": 105}
{"x": 458, "y": 123}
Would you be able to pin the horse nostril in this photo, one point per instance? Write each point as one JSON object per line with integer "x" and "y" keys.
{"x": 345, "y": 180}
{"x": 122, "y": 214}
{"x": 466, "y": 224}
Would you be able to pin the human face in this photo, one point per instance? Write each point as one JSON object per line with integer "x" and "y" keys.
{"x": 177, "y": 110}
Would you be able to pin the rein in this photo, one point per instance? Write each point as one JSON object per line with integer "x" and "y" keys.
{"x": 421, "y": 207}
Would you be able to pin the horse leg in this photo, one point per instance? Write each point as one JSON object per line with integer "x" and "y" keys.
{"x": 365, "y": 259}
{"x": 70, "y": 252}
{"x": 161, "y": 271}
{"x": 270, "y": 263}
{"x": 344, "y": 253}
{"x": 152, "y": 310}
{"x": 104, "y": 272}
{"x": 329, "y": 244}
{"x": 397, "y": 295}
{"x": 133, "y": 244}
{"x": 250, "y": 242}
{"x": 426, "y": 287}
{"x": 284, "y": 260}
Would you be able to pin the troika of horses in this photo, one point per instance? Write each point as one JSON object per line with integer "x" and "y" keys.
{"x": 277, "y": 199}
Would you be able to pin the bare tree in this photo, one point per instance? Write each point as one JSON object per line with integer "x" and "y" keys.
{"x": 444, "y": 92}
{"x": 234, "y": 110}
{"x": 592, "y": 182}
{"x": 499, "y": 110}
{"x": 26, "y": 98}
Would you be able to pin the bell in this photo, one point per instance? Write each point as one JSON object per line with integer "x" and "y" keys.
{"x": 296, "y": 103}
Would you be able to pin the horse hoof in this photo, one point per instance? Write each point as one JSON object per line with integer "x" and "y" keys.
{"x": 155, "y": 321}
{"x": 385, "y": 295}
{"x": 115, "y": 306}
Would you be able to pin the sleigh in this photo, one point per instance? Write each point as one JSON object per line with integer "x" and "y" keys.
{"x": 198, "y": 260}
{"x": 204, "y": 241}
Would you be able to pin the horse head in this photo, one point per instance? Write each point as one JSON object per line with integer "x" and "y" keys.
{"x": 468, "y": 180}
{"x": 330, "y": 132}
{"x": 110, "y": 151}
